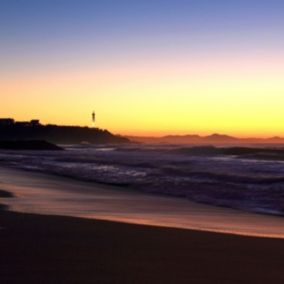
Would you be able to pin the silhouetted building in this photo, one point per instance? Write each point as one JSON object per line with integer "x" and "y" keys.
{"x": 23, "y": 123}
{"x": 10, "y": 122}
{"x": 6, "y": 121}
{"x": 35, "y": 122}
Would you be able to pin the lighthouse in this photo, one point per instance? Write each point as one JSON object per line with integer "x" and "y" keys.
{"x": 93, "y": 118}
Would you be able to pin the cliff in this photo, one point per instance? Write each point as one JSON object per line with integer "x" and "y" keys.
{"x": 28, "y": 145}
{"x": 59, "y": 134}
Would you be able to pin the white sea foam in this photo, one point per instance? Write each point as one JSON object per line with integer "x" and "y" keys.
{"x": 249, "y": 184}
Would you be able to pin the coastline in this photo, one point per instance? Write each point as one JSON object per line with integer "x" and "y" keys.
{"x": 46, "y": 194}
{"x": 61, "y": 249}
{"x": 56, "y": 249}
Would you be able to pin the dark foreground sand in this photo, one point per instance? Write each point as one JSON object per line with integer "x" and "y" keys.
{"x": 47, "y": 249}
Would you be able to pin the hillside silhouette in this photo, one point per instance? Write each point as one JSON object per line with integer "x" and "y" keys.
{"x": 33, "y": 130}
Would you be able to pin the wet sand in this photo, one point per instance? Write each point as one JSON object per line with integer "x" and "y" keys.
{"x": 60, "y": 249}
{"x": 46, "y": 194}
{"x": 48, "y": 249}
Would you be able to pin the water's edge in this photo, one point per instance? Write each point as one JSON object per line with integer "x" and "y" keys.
{"x": 44, "y": 194}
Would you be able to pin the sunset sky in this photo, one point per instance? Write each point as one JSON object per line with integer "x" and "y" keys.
{"x": 150, "y": 67}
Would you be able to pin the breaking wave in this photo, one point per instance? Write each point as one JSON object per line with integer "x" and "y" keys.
{"x": 202, "y": 174}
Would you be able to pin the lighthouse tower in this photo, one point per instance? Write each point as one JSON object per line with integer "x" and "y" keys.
{"x": 93, "y": 118}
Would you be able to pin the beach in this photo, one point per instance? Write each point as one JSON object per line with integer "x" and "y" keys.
{"x": 45, "y": 249}
{"x": 61, "y": 249}
{"x": 141, "y": 142}
{"x": 41, "y": 193}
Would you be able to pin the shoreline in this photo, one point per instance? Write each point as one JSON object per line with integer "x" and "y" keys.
{"x": 216, "y": 180}
{"x": 59, "y": 249}
{"x": 63, "y": 249}
{"x": 46, "y": 194}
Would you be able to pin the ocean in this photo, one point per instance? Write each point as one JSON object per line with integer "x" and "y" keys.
{"x": 204, "y": 176}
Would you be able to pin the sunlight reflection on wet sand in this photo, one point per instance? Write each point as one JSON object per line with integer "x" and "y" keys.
{"x": 46, "y": 194}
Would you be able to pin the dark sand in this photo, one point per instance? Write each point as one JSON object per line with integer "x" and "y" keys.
{"x": 5, "y": 194}
{"x": 47, "y": 249}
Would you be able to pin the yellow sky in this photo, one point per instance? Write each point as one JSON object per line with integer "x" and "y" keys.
{"x": 233, "y": 97}
{"x": 146, "y": 67}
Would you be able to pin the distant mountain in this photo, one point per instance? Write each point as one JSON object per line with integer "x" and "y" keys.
{"x": 184, "y": 136}
{"x": 220, "y": 138}
{"x": 211, "y": 139}
{"x": 56, "y": 134}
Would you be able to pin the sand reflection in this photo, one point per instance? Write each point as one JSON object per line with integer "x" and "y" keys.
{"x": 44, "y": 194}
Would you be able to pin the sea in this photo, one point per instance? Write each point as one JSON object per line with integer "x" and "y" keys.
{"x": 250, "y": 184}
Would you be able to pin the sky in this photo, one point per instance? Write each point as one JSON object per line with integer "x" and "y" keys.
{"x": 150, "y": 67}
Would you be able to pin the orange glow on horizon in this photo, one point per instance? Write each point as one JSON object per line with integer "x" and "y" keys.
{"x": 239, "y": 97}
